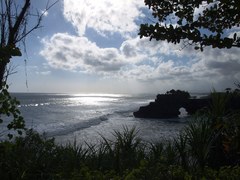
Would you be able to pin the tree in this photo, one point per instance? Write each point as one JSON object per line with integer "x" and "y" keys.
{"x": 201, "y": 23}
{"x": 13, "y": 30}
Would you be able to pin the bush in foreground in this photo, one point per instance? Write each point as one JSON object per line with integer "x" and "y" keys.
{"x": 126, "y": 157}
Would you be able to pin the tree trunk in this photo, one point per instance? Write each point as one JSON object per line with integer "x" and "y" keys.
{"x": 2, "y": 71}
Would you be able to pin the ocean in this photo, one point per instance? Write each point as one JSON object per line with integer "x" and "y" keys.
{"x": 87, "y": 117}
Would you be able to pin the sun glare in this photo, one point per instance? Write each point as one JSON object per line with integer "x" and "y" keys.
{"x": 94, "y": 99}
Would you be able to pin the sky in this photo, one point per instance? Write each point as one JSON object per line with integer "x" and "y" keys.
{"x": 87, "y": 46}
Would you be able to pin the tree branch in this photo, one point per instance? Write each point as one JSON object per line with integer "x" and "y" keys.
{"x": 38, "y": 21}
{"x": 18, "y": 22}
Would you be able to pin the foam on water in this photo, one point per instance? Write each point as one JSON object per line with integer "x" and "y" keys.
{"x": 61, "y": 129}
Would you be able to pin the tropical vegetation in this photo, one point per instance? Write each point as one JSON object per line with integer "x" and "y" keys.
{"x": 200, "y": 23}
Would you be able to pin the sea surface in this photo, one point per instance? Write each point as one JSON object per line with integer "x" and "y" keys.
{"x": 87, "y": 117}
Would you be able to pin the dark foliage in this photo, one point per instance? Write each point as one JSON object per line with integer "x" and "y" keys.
{"x": 9, "y": 111}
{"x": 176, "y": 20}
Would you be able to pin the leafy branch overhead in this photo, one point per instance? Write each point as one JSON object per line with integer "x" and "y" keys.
{"x": 201, "y": 23}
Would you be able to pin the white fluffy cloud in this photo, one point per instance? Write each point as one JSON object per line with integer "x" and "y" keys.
{"x": 67, "y": 52}
{"x": 105, "y": 16}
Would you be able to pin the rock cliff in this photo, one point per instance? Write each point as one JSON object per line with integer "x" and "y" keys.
{"x": 168, "y": 105}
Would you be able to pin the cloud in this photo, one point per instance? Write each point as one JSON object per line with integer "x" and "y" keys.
{"x": 223, "y": 62}
{"x": 72, "y": 53}
{"x": 105, "y": 16}
{"x": 76, "y": 53}
{"x": 153, "y": 47}
{"x": 142, "y": 60}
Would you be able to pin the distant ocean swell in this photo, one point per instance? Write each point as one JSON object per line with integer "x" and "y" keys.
{"x": 34, "y": 105}
{"x": 61, "y": 129}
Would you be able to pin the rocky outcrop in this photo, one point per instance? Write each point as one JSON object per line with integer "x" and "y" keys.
{"x": 165, "y": 105}
{"x": 168, "y": 105}
{"x": 193, "y": 105}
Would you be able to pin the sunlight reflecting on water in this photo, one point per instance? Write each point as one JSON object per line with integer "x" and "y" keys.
{"x": 93, "y": 100}
{"x": 99, "y": 95}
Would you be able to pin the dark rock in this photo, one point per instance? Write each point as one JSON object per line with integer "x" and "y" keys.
{"x": 193, "y": 105}
{"x": 168, "y": 105}
{"x": 165, "y": 105}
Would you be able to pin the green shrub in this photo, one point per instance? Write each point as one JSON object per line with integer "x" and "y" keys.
{"x": 125, "y": 151}
{"x": 125, "y": 157}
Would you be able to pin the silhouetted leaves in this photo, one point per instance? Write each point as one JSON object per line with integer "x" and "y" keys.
{"x": 177, "y": 20}
{"x": 9, "y": 111}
